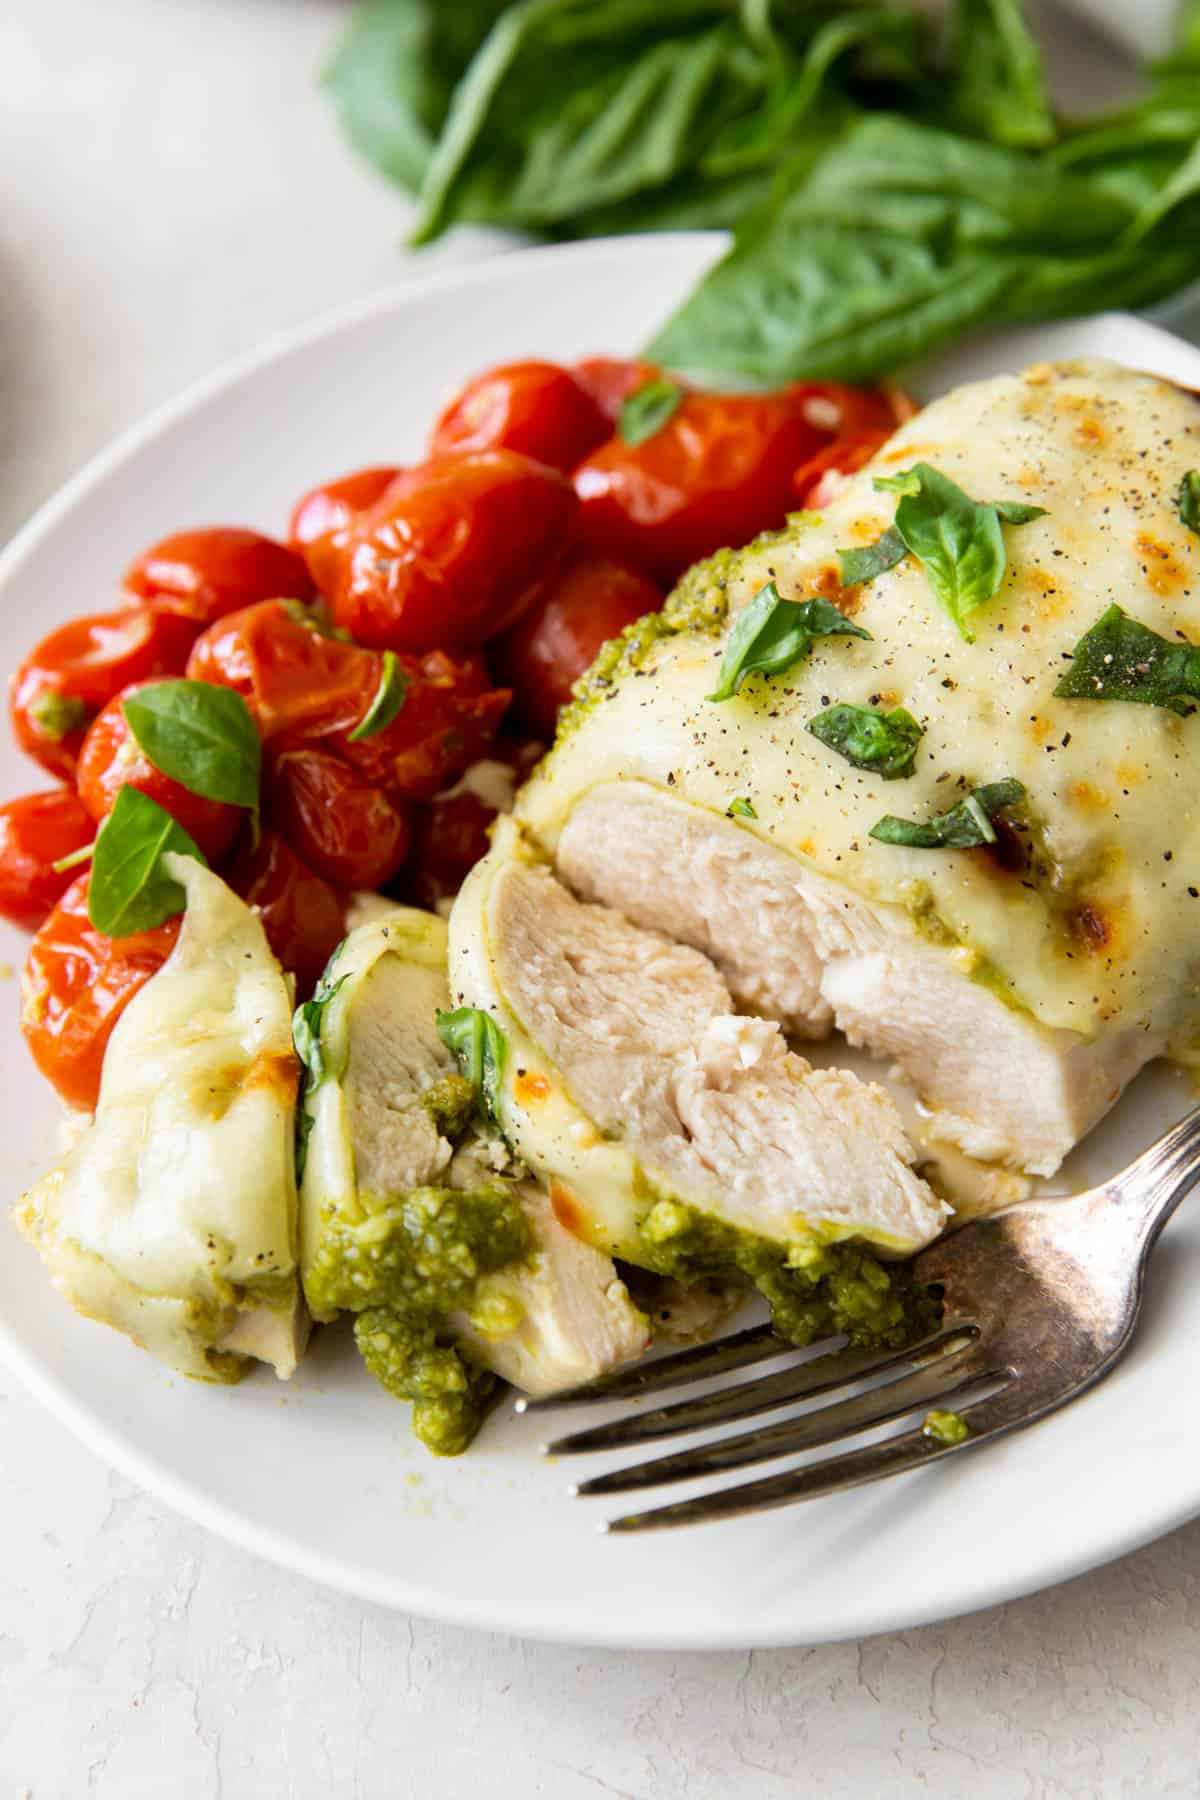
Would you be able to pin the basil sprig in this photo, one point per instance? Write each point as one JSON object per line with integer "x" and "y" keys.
{"x": 740, "y": 809}
{"x": 201, "y": 736}
{"x": 647, "y": 409}
{"x": 1189, "y": 500}
{"x": 1122, "y": 659}
{"x": 883, "y": 742}
{"x": 390, "y": 696}
{"x": 771, "y": 635}
{"x": 478, "y": 1046}
{"x": 962, "y": 828}
{"x": 129, "y": 889}
{"x": 957, "y": 540}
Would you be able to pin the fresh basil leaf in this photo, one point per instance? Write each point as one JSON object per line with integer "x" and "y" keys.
{"x": 1121, "y": 659}
{"x": 957, "y": 540}
{"x": 997, "y": 83}
{"x": 478, "y": 1045}
{"x": 574, "y": 104}
{"x": 883, "y": 742}
{"x": 771, "y": 635}
{"x": 874, "y": 559}
{"x": 647, "y": 410}
{"x": 962, "y": 828}
{"x": 740, "y": 809}
{"x": 307, "y": 1024}
{"x": 73, "y": 859}
{"x": 1189, "y": 501}
{"x": 129, "y": 889}
{"x": 393, "y": 73}
{"x": 389, "y": 697}
{"x": 201, "y": 736}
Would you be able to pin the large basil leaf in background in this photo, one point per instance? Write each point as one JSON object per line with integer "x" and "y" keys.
{"x": 997, "y": 84}
{"x": 903, "y": 237}
{"x": 394, "y": 73}
{"x": 572, "y": 104}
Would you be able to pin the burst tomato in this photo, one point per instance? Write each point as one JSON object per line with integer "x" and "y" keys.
{"x": 63, "y": 683}
{"x": 450, "y": 716}
{"x": 76, "y": 985}
{"x": 348, "y": 831}
{"x": 450, "y": 832}
{"x": 110, "y": 759}
{"x": 35, "y": 832}
{"x": 717, "y": 472}
{"x": 862, "y": 420}
{"x": 216, "y": 569}
{"x": 453, "y": 552}
{"x": 301, "y": 914}
{"x": 611, "y": 379}
{"x": 546, "y": 651}
{"x": 538, "y": 408}
{"x": 321, "y": 514}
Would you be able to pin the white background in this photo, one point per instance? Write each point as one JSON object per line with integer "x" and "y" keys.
{"x": 172, "y": 191}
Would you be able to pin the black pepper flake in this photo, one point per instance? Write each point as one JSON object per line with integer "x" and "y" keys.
{"x": 1194, "y": 892}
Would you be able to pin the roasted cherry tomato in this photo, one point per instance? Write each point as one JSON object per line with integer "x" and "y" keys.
{"x": 717, "y": 472}
{"x": 76, "y": 985}
{"x": 348, "y": 831}
{"x": 453, "y": 552}
{"x": 216, "y": 569}
{"x": 538, "y": 408}
{"x": 450, "y": 716}
{"x": 862, "y": 419}
{"x": 325, "y": 511}
{"x": 61, "y": 686}
{"x": 110, "y": 759}
{"x": 35, "y": 831}
{"x": 543, "y": 653}
{"x": 611, "y": 379}
{"x": 301, "y": 915}
{"x": 300, "y": 684}
{"x": 450, "y": 832}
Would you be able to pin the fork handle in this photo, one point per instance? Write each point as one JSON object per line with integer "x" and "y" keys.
{"x": 1156, "y": 1181}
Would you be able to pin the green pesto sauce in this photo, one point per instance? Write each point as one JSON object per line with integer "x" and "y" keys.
{"x": 814, "y": 1290}
{"x": 450, "y": 1103}
{"x": 946, "y": 1427}
{"x": 403, "y": 1267}
{"x": 699, "y": 603}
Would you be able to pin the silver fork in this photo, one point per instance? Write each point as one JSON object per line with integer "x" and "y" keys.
{"x": 1039, "y": 1303}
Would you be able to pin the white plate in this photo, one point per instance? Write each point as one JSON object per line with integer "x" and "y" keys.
{"x": 323, "y": 1475}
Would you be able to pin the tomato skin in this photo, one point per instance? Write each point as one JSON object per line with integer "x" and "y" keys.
{"x": 76, "y": 985}
{"x": 865, "y": 420}
{"x": 301, "y": 914}
{"x": 292, "y": 675}
{"x": 540, "y": 656}
{"x": 453, "y": 552}
{"x": 110, "y": 759}
{"x": 216, "y": 569}
{"x": 35, "y": 831}
{"x": 79, "y": 667}
{"x": 611, "y": 379}
{"x": 300, "y": 685}
{"x": 349, "y": 832}
{"x": 538, "y": 408}
{"x": 450, "y": 832}
{"x": 321, "y": 514}
{"x": 717, "y": 472}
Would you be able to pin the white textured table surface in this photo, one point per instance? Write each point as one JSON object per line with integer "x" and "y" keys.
{"x": 171, "y": 192}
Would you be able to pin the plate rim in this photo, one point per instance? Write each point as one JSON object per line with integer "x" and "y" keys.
{"x": 153, "y": 1473}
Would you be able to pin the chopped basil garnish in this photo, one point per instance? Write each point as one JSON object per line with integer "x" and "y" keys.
{"x": 477, "y": 1044}
{"x": 201, "y": 736}
{"x": 1121, "y": 659}
{"x": 390, "y": 696}
{"x": 771, "y": 634}
{"x": 307, "y": 1023}
{"x": 1189, "y": 500}
{"x": 874, "y": 559}
{"x": 740, "y": 809}
{"x": 129, "y": 889}
{"x": 883, "y": 742}
{"x": 957, "y": 540}
{"x": 647, "y": 410}
{"x": 962, "y": 828}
